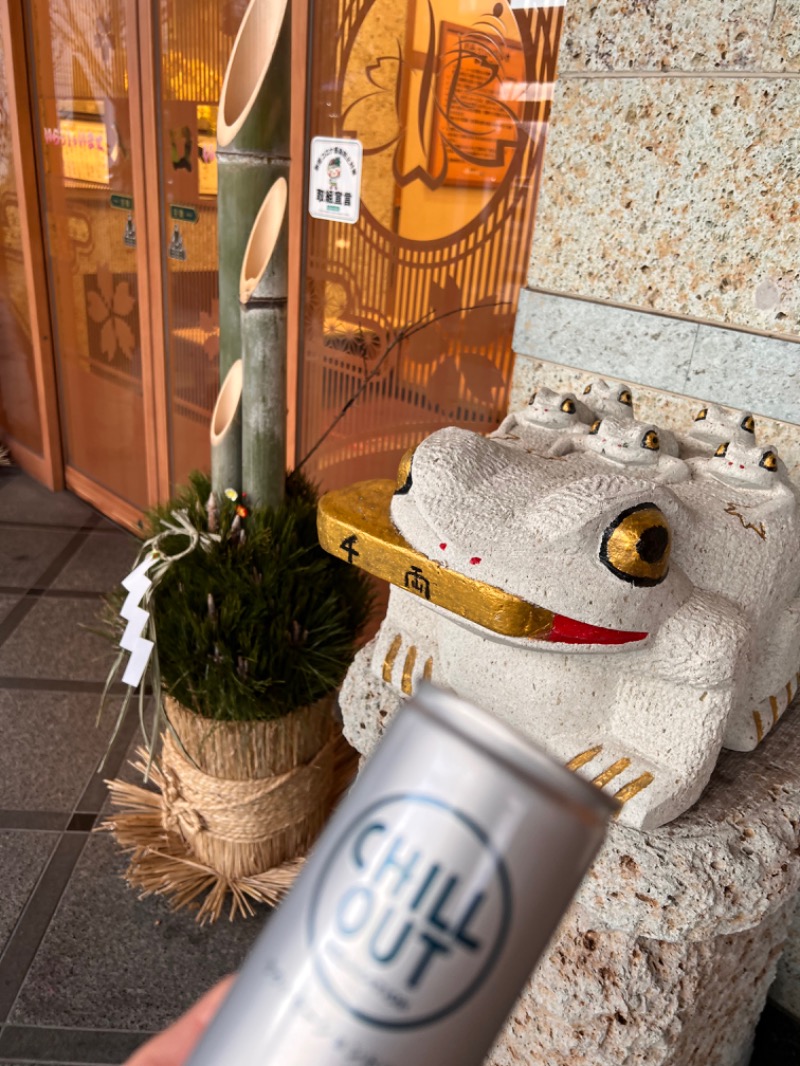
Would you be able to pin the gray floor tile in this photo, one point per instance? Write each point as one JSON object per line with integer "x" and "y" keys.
{"x": 28, "y": 934}
{"x": 105, "y": 525}
{"x": 110, "y": 960}
{"x": 23, "y": 500}
{"x": 50, "y": 748}
{"x": 54, "y": 641}
{"x": 26, "y": 553}
{"x": 23, "y": 856}
{"x": 127, "y": 772}
{"x": 7, "y": 601}
{"x": 70, "y": 1047}
{"x": 100, "y": 565}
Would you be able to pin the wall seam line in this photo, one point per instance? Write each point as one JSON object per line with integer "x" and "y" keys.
{"x": 788, "y": 338}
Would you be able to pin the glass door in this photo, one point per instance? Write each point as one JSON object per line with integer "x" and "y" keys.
{"x": 19, "y": 407}
{"x": 409, "y": 311}
{"x": 28, "y": 405}
{"x": 90, "y": 169}
{"x": 193, "y": 40}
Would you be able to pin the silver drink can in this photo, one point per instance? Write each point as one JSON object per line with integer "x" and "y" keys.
{"x": 424, "y": 906}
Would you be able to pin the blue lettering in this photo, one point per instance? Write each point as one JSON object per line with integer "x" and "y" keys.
{"x": 432, "y": 948}
{"x": 355, "y": 910}
{"x": 403, "y": 866}
{"x": 435, "y": 917}
{"x": 389, "y": 953}
{"x": 358, "y": 844}
{"x": 462, "y": 933}
{"x": 433, "y": 873}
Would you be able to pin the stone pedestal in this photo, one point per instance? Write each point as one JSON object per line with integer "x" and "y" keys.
{"x": 786, "y": 989}
{"x": 669, "y": 950}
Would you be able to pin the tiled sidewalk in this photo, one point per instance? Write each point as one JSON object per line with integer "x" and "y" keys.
{"x": 87, "y": 970}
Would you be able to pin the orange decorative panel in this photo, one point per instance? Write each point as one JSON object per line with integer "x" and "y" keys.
{"x": 409, "y": 313}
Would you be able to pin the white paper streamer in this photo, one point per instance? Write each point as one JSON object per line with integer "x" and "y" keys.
{"x": 137, "y": 584}
{"x": 137, "y": 620}
{"x": 137, "y": 664}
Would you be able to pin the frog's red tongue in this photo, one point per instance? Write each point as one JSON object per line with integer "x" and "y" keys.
{"x": 569, "y": 631}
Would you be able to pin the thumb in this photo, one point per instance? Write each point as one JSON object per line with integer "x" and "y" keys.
{"x": 174, "y": 1046}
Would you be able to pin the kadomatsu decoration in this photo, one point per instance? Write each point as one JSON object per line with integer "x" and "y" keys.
{"x": 253, "y": 628}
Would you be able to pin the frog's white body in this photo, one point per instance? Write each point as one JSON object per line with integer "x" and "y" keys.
{"x": 707, "y": 650}
{"x": 714, "y": 425}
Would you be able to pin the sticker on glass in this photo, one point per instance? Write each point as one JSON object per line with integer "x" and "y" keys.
{"x": 335, "y": 184}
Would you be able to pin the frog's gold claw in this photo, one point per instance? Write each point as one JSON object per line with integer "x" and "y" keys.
{"x": 611, "y": 772}
{"x": 769, "y": 711}
{"x": 409, "y": 672}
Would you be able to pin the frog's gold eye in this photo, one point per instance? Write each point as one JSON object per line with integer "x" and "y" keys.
{"x": 587, "y": 390}
{"x": 404, "y": 473}
{"x": 626, "y": 398}
{"x": 769, "y": 460}
{"x": 636, "y": 546}
{"x": 701, "y": 414}
{"x": 722, "y": 450}
{"x": 748, "y": 424}
{"x": 650, "y": 440}
{"x": 595, "y": 426}
{"x": 533, "y": 397}
{"x": 568, "y": 406}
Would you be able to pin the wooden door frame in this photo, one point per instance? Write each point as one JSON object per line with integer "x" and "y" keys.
{"x": 143, "y": 53}
{"x": 49, "y": 466}
{"x": 145, "y": 143}
{"x": 296, "y": 220}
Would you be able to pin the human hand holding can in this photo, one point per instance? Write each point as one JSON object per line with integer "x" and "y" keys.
{"x": 423, "y": 908}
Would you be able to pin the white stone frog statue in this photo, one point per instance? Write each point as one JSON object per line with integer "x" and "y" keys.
{"x": 714, "y": 425}
{"x": 547, "y": 417}
{"x": 627, "y": 624}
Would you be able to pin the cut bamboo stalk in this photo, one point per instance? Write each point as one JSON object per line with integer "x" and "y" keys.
{"x": 253, "y": 131}
{"x": 226, "y": 433}
{"x": 263, "y": 290}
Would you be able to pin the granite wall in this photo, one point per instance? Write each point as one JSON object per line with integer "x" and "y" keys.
{"x": 667, "y": 244}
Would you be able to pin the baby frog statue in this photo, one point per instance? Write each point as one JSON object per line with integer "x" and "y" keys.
{"x": 607, "y": 401}
{"x": 629, "y": 444}
{"x": 548, "y": 416}
{"x": 742, "y": 501}
{"x": 616, "y": 401}
{"x": 714, "y": 425}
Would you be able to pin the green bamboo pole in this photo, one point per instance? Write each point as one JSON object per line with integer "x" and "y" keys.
{"x": 226, "y": 433}
{"x": 263, "y": 294}
{"x": 253, "y": 131}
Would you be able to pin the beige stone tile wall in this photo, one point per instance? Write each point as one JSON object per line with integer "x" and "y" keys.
{"x": 705, "y": 35}
{"x": 675, "y": 194}
{"x": 666, "y": 250}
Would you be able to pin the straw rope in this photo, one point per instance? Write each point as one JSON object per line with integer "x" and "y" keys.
{"x": 242, "y": 812}
{"x": 163, "y": 860}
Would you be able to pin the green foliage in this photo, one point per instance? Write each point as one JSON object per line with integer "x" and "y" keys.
{"x": 262, "y": 622}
